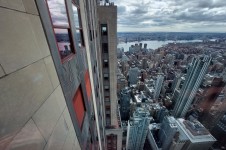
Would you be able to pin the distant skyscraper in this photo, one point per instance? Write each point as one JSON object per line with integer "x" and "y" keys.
{"x": 194, "y": 77}
{"x": 144, "y": 63}
{"x": 125, "y": 97}
{"x": 137, "y": 129}
{"x": 158, "y": 86}
{"x": 145, "y": 45}
{"x": 133, "y": 75}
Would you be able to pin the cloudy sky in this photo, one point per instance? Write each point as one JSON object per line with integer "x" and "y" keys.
{"x": 171, "y": 15}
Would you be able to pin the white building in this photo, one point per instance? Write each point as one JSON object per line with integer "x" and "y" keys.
{"x": 192, "y": 136}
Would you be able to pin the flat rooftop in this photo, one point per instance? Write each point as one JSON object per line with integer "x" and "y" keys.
{"x": 196, "y": 132}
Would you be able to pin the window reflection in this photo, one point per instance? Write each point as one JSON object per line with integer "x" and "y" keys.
{"x": 79, "y": 35}
{"x": 58, "y": 12}
{"x": 76, "y": 17}
{"x": 63, "y": 42}
{"x": 60, "y": 22}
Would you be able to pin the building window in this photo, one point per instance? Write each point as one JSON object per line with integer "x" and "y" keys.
{"x": 106, "y": 88}
{"x": 107, "y": 99}
{"x": 104, "y": 29}
{"x": 79, "y": 32}
{"x": 107, "y": 108}
{"x": 79, "y": 107}
{"x": 88, "y": 85}
{"x": 105, "y": 63}
{"x": 106, "y": 76}
{"x": 105, "y": 47}
{"x": 61, "y": 28}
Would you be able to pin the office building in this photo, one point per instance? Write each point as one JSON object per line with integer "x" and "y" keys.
{"x": 144, "y": 63}
{"x": 51, "y": 77}
{"x": 167, "y": 131}
{"x": 133, "y": 75}
{"x": 196, "y": 72}
{"x": 125, "y": 97}
{"x": 108, "y": 25}
{"x": 192, "y": 135}
{"x": 152, "y": 136}
{"x": 219, "y": 132}
{"x": 158, "y": 86}
{"x": 161, "y": 114}
{"x": 137, "y": 129}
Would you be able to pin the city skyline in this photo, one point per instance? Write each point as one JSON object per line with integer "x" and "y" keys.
{"x": 69, "y": 81}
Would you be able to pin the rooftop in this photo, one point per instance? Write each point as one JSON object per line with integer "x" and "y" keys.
{"x": 194, "y": 130}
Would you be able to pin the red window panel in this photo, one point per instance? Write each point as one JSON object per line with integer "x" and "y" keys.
{"x": 79, "y": 106}
{"x": 88, "y": 85}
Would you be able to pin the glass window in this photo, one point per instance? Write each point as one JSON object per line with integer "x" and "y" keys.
{"x": 104, "y": 29}
{"x": 58, "y": 12}
{"x": 63, "y": 42}
{"x": 105, "y": 47}
{"x": 79, "y": 32}
{"x": 59, "y": 18}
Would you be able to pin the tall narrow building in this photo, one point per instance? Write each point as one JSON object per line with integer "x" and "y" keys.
{"x": 158, "y": 86}
{"x": 51, "y": 78}
{"x": 193, "y": 79}
{"x": 108, "y": 42}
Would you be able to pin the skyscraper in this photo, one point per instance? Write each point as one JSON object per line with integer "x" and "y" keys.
{"x": 125, "y": 97}
{"x": 108, "y": 25}
{"x": 196, "y": 72}
{"x": 192, "y": 136}
{"x": 158, "y": 86}
{"x": 51, "y": 77}
{"x": 167, "y": 131}
{"x": 137, "y": 129}
{"x": 133, "y": 75}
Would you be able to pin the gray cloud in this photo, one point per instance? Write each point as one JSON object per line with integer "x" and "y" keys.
{"x": 181, "y": 14}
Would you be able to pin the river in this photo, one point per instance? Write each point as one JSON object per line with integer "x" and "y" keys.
{"x": 152, "y": 44}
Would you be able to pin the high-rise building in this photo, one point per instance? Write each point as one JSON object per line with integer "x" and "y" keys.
{"x": 167, "y": 131}
{"x": 133, "y": 75}
{"x": 51, "y": 78}
{"x": 108, "y": 25}
{"x": 219, "y": 132}
{"x": 125, "y": 97}
{"x": 193, "y": 79}
{"x": 144, "y": 63}
{"x": 137, "y": 129}
{"x": 158, "y": 86}
{"x": 191, "y": 135}
{"x": 161, "y": 114}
